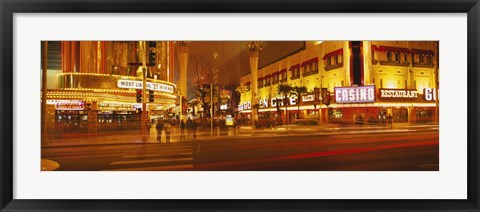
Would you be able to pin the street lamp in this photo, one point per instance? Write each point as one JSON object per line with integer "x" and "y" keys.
{"x": 254, "y": 48}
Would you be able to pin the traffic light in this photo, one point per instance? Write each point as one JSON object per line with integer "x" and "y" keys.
{"x": 316, "y": 94}
{"x": 152, "y": 55}
{"x": 88, "y": 106}
{"x": 327, "y": 98}
{"x": 139, "y": 96}
{"x": 151, "y": 97}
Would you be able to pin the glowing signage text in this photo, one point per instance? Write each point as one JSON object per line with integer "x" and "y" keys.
{"x": 360, "y": 94}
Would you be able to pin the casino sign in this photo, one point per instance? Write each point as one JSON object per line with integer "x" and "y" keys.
{"x": 356, "y": 94}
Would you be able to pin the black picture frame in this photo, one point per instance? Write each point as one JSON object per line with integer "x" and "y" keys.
{"x": 10, "y": 7}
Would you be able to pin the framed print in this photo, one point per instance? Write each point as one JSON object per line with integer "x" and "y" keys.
{"x": 267, "y": 105}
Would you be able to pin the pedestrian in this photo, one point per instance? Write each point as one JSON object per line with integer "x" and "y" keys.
{"x": 189, "y": 126}
{"x": 168, "y": 129}
{"x": 390, "y": 121}
{"x": 182, "y": 130}
{"x": 159, "y": 128}
{"x": 148, "y": 128}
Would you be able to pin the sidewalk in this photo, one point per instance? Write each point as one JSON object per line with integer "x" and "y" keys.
{"x": 134, "y": 137}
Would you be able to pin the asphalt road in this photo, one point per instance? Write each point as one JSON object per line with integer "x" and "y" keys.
{"x": 398, "y": 151}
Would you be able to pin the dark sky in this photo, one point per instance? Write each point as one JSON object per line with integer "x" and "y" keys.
{"x": 230, "y": 59}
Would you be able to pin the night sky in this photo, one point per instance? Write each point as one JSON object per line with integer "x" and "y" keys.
{"x": 230, "y": 59}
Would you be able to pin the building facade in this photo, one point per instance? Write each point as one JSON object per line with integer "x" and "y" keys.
{"x": 348, "y": 81}
{"x": 97, "y": 85}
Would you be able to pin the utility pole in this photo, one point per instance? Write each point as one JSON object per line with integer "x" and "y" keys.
{"x": 143, "y": 52}
{"x": 183, "y": 63}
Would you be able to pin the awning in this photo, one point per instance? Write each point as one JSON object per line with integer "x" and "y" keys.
{"x": 275, "y": 73}
{"x": 260, "y": 78}
{"x": 308, "y": 62}
{"x": 331, "y": 54}
{"x": 283, "y": 70}
{"x": 394, "y": 49}
{"x": 266, "y": 76}
{"x": 294, "y": 67}
{"x": 423, "y": 51}
{"x": 375, "y": 48}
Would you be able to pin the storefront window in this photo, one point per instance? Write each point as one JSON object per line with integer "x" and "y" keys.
{"x": 71, "y": 121}
{"x": 335, "y": 114}
{"x": 424, "y": 115}
{"x": 115, "y": 120}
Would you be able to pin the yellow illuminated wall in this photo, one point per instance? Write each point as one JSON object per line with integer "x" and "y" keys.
{"x": 381, "y": 74}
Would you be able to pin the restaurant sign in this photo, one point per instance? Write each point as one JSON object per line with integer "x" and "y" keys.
{"x": 133, "y": 84}
{"x": 398, "y": 94}
{"x": 356, "y": 94}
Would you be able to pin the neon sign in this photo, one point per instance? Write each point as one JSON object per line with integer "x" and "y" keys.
{"x": 360, "y": 94}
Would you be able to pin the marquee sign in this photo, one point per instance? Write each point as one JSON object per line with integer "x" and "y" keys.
{"x": 56, "y": 101}
{"x": 308, "y": 98}
{"x": 398, "y": 93}
{"x": 265, "y": 103}
{"x": 133, "y": 84}
{"x": 245, "y": 106}
{"x": 70, "y": 106}
{"x": 115, "y": 106}
{"x": 359, "y": 94}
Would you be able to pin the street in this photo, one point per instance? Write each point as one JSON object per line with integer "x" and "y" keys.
{"x": 410, "y": 150}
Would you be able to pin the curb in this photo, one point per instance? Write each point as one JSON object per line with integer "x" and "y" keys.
{"x": 49, "y": 165}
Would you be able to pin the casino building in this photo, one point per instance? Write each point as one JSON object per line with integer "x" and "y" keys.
{"x": 348, "y": 81}
{"x": 94, "y": 86}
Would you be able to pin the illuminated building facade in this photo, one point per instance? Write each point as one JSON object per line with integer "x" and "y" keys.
{"x": 97, "y": 85}
{"x": 349, "y": 81}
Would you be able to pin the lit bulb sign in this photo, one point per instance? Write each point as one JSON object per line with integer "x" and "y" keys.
{"x": 245, "y": 106}
{"x": 358, "y": 94}
{"x": 69, "y": 106}
{"x": 308, "y": 98}
{"x": 398, "y": 94}
{"x": 133, "y": 84}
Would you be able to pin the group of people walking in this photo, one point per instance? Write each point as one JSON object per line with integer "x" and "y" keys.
{"x": 163, "y": 126}
{"x": 190, "y": 127}
{"x": 187, "y": 130}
